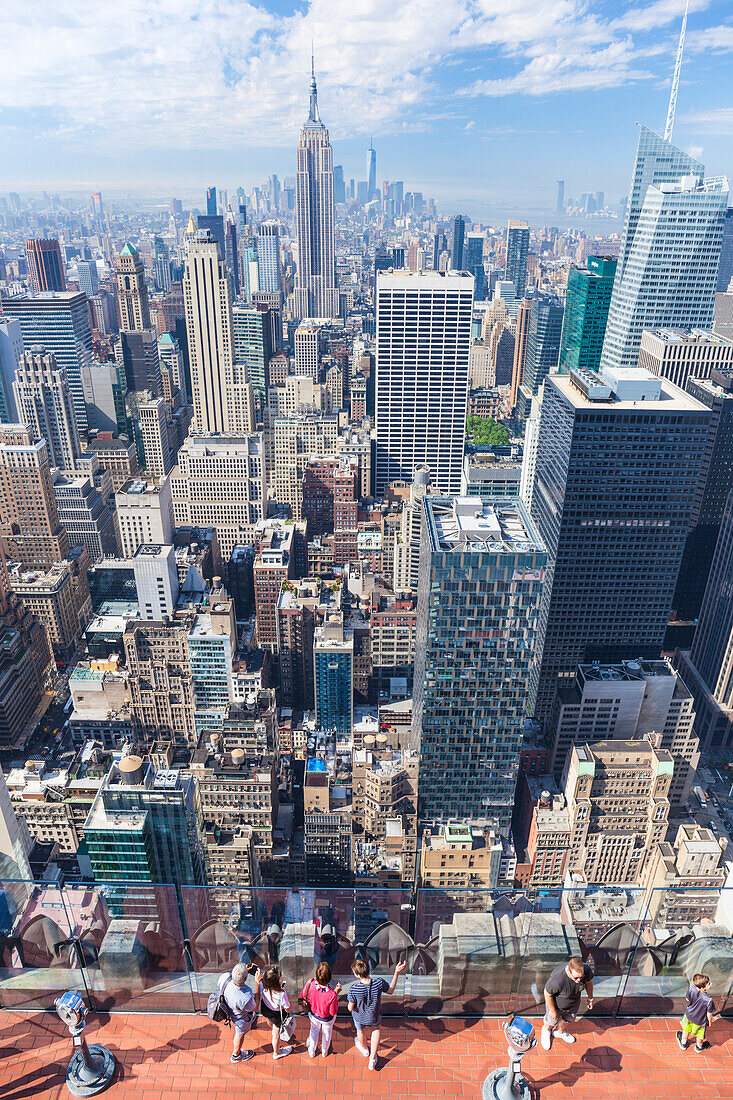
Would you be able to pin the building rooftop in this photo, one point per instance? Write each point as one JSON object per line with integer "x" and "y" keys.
{"x": 687, "y": 336}
{"x": 464, "y": 524}
{"x": 669, "y": 397}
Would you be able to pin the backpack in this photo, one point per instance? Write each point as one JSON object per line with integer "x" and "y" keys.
{"x": 218, "y": 1009}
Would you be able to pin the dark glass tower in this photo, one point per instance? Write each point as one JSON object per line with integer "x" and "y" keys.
{"x": 716, "y": 481}
{"x": 517, "y": 253}
{"x": 618, "y": 461}
{"x": 543, "y": 349}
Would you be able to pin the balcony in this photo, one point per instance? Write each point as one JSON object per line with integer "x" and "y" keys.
{"x": 145, "y": 957}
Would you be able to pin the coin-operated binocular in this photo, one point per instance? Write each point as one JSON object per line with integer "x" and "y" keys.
{"x": 508, "y": 1084}
{"x": 91, "y": 1067}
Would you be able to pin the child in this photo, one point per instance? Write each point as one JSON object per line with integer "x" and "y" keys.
{"x": 321, "y": 1003}
{"x": 365, "y": 1005}
{"x": 274, "y": 1006}
{"x": 699, "y": 1014}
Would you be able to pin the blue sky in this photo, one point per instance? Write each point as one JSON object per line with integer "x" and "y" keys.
{"x": 472, "y": 101}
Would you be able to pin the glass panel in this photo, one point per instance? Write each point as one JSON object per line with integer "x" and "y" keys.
{"x": 37, "y": 955}
{"x": 687, "y": 931}
{"x": 296, "y": 930}
{"x": 131, "y": 940}
{"x": 600, "y": 924}
{"x": 469, "y": 947}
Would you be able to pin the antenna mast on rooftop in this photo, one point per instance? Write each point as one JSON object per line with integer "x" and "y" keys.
{"x": 676, "y": 78}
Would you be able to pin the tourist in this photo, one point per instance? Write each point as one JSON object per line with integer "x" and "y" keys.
{"x": 562, "y": 999}
{"x": 365, "y": 1006}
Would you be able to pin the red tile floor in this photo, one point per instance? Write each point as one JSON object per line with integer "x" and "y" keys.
{"x": 175, "y": 1057}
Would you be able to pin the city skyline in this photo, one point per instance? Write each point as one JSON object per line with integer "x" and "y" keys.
{"x": 514, "y": 109}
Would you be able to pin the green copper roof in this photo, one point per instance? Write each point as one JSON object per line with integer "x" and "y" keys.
{"x": 128, "y": 250}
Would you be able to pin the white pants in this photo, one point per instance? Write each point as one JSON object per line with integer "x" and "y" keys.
{"x": 325, "y": 1028}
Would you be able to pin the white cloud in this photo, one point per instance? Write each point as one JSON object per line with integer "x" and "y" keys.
{"x": 184, "y": 74}
{"x": 719, "y": 120}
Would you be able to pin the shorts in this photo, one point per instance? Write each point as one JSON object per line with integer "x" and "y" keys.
{"x": 564, "y": 1015}
{"x": 695, "y": 1031}
{"x": 243, "y": 1024}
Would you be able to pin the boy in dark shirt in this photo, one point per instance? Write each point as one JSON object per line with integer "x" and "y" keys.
{"x": 699, "y": 1014}
{"x": 562, "y": 999}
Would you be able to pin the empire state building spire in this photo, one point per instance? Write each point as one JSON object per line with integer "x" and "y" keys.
{"x": 316, "y": 290}
{"x": 313, "y": 115}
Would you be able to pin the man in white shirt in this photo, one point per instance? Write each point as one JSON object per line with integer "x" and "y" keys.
{"x": 241, "y": 1002}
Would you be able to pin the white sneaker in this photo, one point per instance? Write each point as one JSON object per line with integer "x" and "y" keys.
{"x": 324, "y": 1053}
{"x": 546, "y": 1038}
{"x": 282, "y": 1053}
{"x": 372, "y": 1063}
{"x": 565, "y": 1036}
{"x": 311, "y": 1050}
{"x": 361, "y": 1048}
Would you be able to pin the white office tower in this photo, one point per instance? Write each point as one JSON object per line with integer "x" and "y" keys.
{"x": 407, "y": 548}
{"x": 268, "y": 258}
{"x": 306, "y": 350}
{"x": 529, "y": 455}
{"x": 316, "y": 293}
{"x": 670, "y": 249}
{"x": 152, "y": 415}
{"x": 222, "y": 398}
{"x": 422, "y": 352}
{"x": 43, "y": 400}
{"x": 156, "y": 580}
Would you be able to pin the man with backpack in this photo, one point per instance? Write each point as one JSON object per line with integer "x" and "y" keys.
{"x": 235, "y": 1004}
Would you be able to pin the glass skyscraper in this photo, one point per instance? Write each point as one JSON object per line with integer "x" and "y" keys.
{"x": 544, "y": 330}
{"x": 586, "y": 312}
{"x": 670, "y": 249}
{"x": 59, "y": 322}
{"x": 482, "y": 568}
{"x": 474, "y": 262}
{"x": 618, "y": 460}
{"x": 517, "y": 254}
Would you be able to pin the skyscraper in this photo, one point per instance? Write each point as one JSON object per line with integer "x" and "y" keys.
{"x": 714, "y": 485}
{"x": 59, "y": 322}
{"x": 43, "y": 400}
{"x": 316, "y": 292}
{"x": 11, "y": 349}
{"x": 480, "y": 581}
{"x": 458, "y": 241}
{"x": 45, "y": 264}
{"x": 221, "y": 395}
{"x": 670, "y": 249}
{"x": 586, "y": 312}
{"x": 214, "y": 224}
{"x": 371, "y": 170}
{"x": 87, "y": 277}
{"x": 560, "y": 200}
{"x": 725, "y": 267}
{"x": 517, "y": 251}
{"x": 211, "y": 202}
{"x": 422, "y": 352}
{"x": 543, "y": 348}
{"x": 30, "y": 531}
{"x": 474, "y": 262}
{"x": 132, "y": 293}
{"x": 339, "y": 186}
{"x": 268, "y": 257}
{"x": 618, "y": 458}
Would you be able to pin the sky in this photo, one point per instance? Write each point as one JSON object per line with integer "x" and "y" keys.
{"x": 479, "y": 103}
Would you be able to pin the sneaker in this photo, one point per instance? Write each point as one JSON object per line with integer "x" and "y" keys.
{"x": 311, "y": 1050}
{"x": 682, "y": 1046}
{"x": 324, "y": 1053}
{"x": 565, "y": 1036}
{"x": 282, "y": 1053}
{"x": 546, "y": 1038}
{"x": 700, "y": 1049}
{"x": 361, "y": 1048}
{"x": 373, "y": 1063}
{"x": 236, "y": 1058}
{"x": 243, "y": 1056}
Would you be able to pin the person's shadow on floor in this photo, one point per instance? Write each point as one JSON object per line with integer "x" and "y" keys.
{"x": 595, "y": 1060}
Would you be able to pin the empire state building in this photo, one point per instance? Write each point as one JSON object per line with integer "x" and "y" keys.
{"x": 316, "y": 293}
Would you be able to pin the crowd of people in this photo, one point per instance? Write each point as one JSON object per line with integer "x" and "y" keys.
{"x": 236, "y": 1004}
